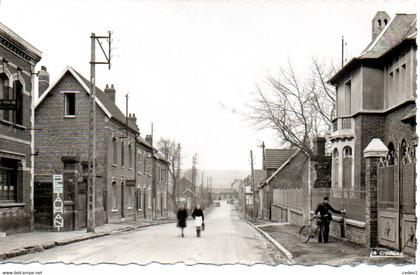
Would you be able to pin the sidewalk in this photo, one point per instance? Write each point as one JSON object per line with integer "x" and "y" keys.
{"x": 25, "y": 243}
{"x": 336, "y": 252}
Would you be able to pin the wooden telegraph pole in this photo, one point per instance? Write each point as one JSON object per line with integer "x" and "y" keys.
{"x": 92, "y": 124}
{"x": 253, "y": 186}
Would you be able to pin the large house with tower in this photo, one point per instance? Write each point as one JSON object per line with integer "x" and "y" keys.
{"x": 375, "y": 99}
{"x": 18, "y": 59}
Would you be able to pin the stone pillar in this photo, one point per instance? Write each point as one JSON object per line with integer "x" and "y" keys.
{"x": 71, "y": 192}
{"x": 372, "y": 153}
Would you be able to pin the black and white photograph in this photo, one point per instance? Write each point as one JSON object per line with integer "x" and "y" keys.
{"x": 208, "y": 136}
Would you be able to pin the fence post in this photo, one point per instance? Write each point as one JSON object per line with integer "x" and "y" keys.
{"x": 372, "y": 153}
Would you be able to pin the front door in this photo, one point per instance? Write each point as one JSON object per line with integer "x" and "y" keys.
{"x": 82, "y": 204}
{"x": 43, "y": 204}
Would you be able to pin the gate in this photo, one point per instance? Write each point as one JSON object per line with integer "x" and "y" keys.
{"x": 43, "y": 204}
{"x": 396, "y": 200}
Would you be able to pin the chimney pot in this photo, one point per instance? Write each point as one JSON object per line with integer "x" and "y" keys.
{"x": 43, "y": 80}
{"x": 110, "y": 92}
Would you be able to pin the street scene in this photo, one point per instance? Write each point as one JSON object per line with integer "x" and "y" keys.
{"x": 208, "y": 132}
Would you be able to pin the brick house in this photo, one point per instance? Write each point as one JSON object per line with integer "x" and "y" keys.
{"x": 144, "y": 178}
{"x": 272, "y": 159}
{"x": 160, "y": 183}
{"x": 62, "y": 142}
{"x": 18, "y": 59}
{"x": 376, "y": 94}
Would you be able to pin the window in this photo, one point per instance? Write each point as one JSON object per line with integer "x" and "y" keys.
{"x": 114, "y": 151}
{"x": 130, "y": 156}
{"x": 385, "y": 21}
{"x": 70, "y": 104}
{"x": 347, "y": 167}
{"x": 404, "y": 80}
{"x": 139, "y": 162}
{"x": 4, "y": 94}
{"x": 165, "y": 200}
{"x": 139, "y": 200}
{"x": 149, "y": 199}
{"x": 347, "y": 98}
{"x": 18, "y": 96}
{"x": 114, "y": 195}
{"x": 122, "y": 153}
{"x": 163, "y": 174}
{"x": 379, "y": 23}
{"x": 335, "y": 168}
{"x": 144, "y": 162}
{"x": 8, "y": 180}
{"x": 130, "y": 198}
{"x": 158, "y": 200}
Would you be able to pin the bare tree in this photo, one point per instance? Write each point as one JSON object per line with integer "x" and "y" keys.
{"x": 172, "y": 151}
{"x": 296, "y": 107}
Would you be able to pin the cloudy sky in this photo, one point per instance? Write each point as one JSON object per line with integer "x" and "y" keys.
{"x": 191, "y": 67}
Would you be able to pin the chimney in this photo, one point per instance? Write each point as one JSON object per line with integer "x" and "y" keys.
{"x": 379, "y": 22}
{"x": 43, "y": 80}
{"x": 149, "y": 139}
{"x": 110, "y": 92}
{"x": 133, "y": 119}
{"x": 319, "y": 146}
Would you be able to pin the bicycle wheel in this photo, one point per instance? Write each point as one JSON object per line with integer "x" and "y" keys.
{"x": 305, "y": 233}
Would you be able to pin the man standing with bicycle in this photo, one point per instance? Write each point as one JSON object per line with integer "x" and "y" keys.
{"x": 323, "y": 212}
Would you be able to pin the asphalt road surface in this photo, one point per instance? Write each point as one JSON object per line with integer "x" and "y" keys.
{"x": 226, "y": 240}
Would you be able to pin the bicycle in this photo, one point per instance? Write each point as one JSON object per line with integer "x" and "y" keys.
{"x": 311, "y": 230}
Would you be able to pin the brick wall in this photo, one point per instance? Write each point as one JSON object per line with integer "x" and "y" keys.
{"x": 367, "y": 127}
{"x": 17, "y": 219}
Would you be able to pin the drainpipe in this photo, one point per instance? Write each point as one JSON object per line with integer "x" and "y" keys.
{"x": 32, "y": 181}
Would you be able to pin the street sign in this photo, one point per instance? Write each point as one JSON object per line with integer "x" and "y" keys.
{"x": 7, "y": 104}
{"x": 58, "y": 204}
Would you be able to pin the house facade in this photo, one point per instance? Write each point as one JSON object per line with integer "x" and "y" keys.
{"x": 62, "y": 144}
{"x": 18, "y": 59}
{"x": 375, "y": 98}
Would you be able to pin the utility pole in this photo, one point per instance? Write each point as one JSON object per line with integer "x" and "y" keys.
{"x": 342, "y": 51}
{"x": 193, "y": 176}
{"x": 92, "y": 125}
{"x": 253, "y": 186}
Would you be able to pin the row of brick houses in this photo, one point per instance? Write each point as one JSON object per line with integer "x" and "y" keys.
{"x": 369, "y": 169}
{"x": 49, "y": 136}
{"x": 131, "y": 174}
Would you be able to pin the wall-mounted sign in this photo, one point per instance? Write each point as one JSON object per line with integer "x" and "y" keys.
{"x": 58, "y": 204}
{"x": 7, "y": 104}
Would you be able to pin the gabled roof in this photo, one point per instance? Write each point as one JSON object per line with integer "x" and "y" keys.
{"x": 259, "y": 176}
{"x": 274, "y": 158}
{"x": 104, "y": 102}
{"x": 281, "y": 167}
{"x": 401, "y": 28}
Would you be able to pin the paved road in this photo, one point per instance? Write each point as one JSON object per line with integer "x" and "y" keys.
{"x": 227, "y": 240}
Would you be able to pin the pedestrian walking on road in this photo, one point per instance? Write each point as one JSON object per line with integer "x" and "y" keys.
{"x": 324, "y": 210}
{"x": 198, "y": 216}
{"x": 182, "y": 216}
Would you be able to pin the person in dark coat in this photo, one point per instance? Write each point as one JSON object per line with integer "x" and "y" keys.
{"x": 182, "y": 216}
{"x": 198, "y": 213}
{"x": 324, "y": 210}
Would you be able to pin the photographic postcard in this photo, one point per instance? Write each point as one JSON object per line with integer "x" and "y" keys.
{"x": 208, "y": 136}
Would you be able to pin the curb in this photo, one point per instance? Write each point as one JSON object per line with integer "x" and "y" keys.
{"x": 48, "y": 245}
{"x": 286, "y": 252}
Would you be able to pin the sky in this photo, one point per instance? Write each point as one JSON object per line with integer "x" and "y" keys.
{"x": 191, "y": 67}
